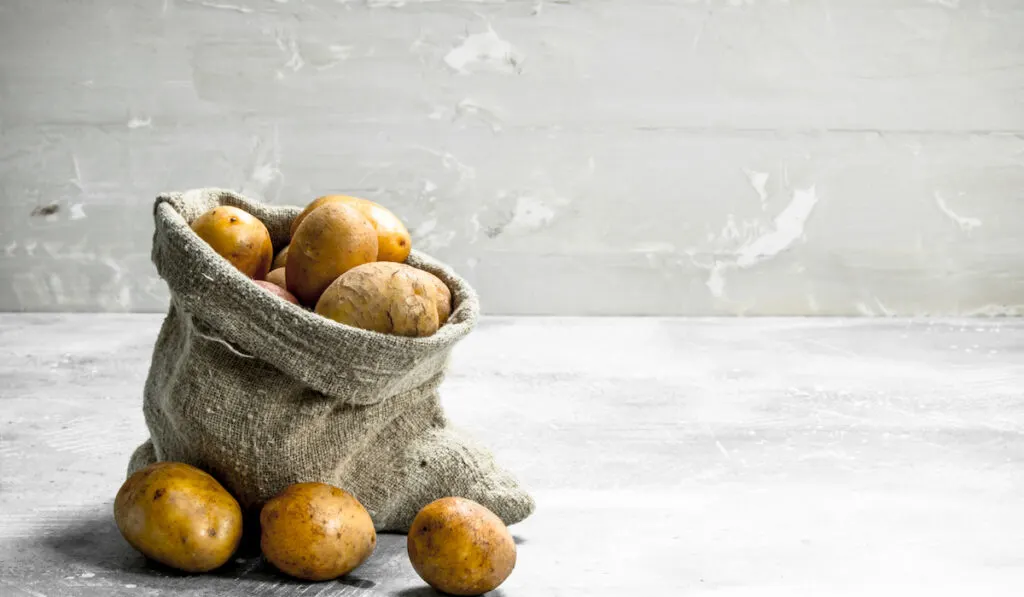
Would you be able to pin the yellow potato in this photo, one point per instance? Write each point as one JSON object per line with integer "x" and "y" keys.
{"x": 393, "y": 240}
{"x": 318, "y": 202}
{"x": 315, "y": 531}
{"x": 281, "y": 258}
{"x": 239, "y": 237}
{"x": 386, "y": 297}
{"x": 331, "y": 240}
{"x": 179, "y": 516}
{"x": 277, "y": 276}
{"x": 444, "y": 296}
{"x": 460, "y": 547}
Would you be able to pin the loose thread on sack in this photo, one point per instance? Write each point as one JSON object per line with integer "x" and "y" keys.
{"x": 192, "y": 324}
{"x": 224, "y": 342}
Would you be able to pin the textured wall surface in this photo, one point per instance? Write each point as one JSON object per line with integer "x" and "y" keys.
{"x": 583, "y": 156}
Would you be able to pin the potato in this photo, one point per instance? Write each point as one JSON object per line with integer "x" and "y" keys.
{"x": 239, "y": 237}
{"x": 331, "y": 240}
{"x": 179, "y": 516}
{"x": 277, "y": 291}
{"x": 281, "y": 259}
{"x": 386, "y": 297}
{"x": 277, "y": 276}
{"x": 444, "y": 296}
{"x": 393, "y": 240}
{"x": 318, "y": 202}
{"x": 315, "y": 531}
{"x": 460, "y": 547}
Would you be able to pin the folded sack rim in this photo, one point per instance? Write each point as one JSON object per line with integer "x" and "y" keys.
{"x": 224, "y": 299}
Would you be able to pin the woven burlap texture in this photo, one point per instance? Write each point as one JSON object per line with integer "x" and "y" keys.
{"x": 262, "y": 393}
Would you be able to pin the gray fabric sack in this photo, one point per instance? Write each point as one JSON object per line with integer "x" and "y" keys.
{"x": 261, "y": 393}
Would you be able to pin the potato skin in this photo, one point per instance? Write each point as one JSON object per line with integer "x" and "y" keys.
{"x": 443, "y": 300}
{"x": 385, "y": 297}
{"x": 393, "y": 240}
{"x": 316, "y": 531}
{"x": 179, "y": 516}
{"x": 239, "y": 237}
{"x": 460, "y": 547}
{"x": 318, "y": 202}
{"x": 331, "y": 240}
{"x": 281, "y": 259}
{"x": 277, "y": 276}
{"x": 277, "y": 291}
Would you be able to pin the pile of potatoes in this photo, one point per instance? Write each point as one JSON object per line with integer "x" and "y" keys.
{"x": 345, "y": 260}
{"x": 182, "y": 517}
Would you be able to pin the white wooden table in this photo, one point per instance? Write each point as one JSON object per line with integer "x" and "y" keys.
{"x": 667, "y": 457}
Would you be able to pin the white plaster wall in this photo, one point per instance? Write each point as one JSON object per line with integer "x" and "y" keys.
{"x": 572, "y": 157}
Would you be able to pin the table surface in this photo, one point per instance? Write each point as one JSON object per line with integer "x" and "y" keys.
{"x": 725, "y": 457}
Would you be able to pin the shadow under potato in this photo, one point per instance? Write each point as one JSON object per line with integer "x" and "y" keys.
{"x": 95, "y": 543}
{"x": 417, "y": 592}
{"x": 429, "y": 592}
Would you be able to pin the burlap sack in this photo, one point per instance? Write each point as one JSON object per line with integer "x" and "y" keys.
{"x": 262, "y": 393}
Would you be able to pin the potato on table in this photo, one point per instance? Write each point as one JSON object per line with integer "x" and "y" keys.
{"x": 315, "y": 531}
{"x": 460, "y": 547}
{"x": 180, "y": 516}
